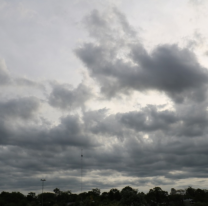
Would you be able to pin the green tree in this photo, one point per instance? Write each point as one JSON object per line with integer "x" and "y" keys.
{"x": 57, "y": 191}
{"x": 157, "y": 196}
{"x": 130, "y": 196}
{"x": 199, "y": 195}
{"x": 31, "y": 197}
{"x": 173, "y": 191}
{"x": 96, "y": 191}
{"x": 114, "y": 194}
{"x": 13, "y": 198}
{"x": 48, "y": 198}
{"x": 190, "y": 193}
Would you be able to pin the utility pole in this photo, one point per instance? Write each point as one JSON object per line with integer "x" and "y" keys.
{"x": 81, "y": 175}
{"x": 81, "y": 169}
{"x": 42, "y": 180}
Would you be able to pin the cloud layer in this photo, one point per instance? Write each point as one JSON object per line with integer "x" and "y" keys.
{"x": 45, "y": 124}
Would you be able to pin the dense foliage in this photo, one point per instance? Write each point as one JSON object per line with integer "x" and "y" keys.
{"x": 126, "y": 197}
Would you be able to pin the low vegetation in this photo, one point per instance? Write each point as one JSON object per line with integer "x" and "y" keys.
{"x": 126, "y": 197}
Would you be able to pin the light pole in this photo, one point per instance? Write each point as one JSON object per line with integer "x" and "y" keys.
{"x": 42, "y": 180}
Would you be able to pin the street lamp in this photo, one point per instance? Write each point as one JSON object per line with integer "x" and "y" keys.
{"x": 42, "y": 180}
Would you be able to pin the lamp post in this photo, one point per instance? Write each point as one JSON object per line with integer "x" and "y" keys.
{"x": 42, "y": 180}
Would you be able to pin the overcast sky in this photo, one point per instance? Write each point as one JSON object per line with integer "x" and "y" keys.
{"x": 123, "y": 80}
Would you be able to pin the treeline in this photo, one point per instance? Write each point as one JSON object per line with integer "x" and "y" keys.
{"x": 128, "y": 196}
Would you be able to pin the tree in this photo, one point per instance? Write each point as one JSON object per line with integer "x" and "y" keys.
{"x": 157, "y": 195}
{"x": 48, "y": 198}
{"x": 173, "y": 191}
{"x": 96, "y": 191}
{"x": 114, "y": 194}
{"x": 57, "y": 191}
{"x": 130, "y": 196}
{"x": 180, "y": 192}
{"x": 31, "y": 196}
{"x": 13, "y": 198}
{"x": 104, "y": 196}
{"x": 127, "y": 188}
{"x": 200, "y": 195}
{"x": 190, "y": 192}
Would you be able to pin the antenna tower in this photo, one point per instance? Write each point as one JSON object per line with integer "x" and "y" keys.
{"x": 81, "y": 169}
{"x": 42, "y": 180}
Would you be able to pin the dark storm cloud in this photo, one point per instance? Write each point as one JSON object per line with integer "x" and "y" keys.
{"x": 12, "y": 112}
{"x": 19, "y": 108}
{"x": 149, "y": 119}
{"x": 33, "y": 150}
{"x": 23, "y": 169}
{"x": 65, "y": 97}
{"x": 70, "y": 132}
{"x": 121, "y": 125}
{"x": 186, "y": 121}
{"x": 48, "y": 150}
{"x": 98, "y": 123}
{"x": 167, "y": 68}
{"x": 166, "y": 148}
{"x": 173, "y": 70}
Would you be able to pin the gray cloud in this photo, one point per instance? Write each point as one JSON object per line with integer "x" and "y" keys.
{"x": 65, "y": 97}
{"x": 6, "y": 79}
{"x": 167, "y": 68}
{"x": 172, "y": 70}
{"x": 109, "y": 26}
{"x": 196, "y": 2}
{"x": 4, "y": 74}
{"x": 114, "y": 143}
{"x": 166, "y": 148}
{"x": 186, "y": 121}
{"x": 69, "y": 133}
{"x": 25, "y": 82}
{"x": 19, "y": 108}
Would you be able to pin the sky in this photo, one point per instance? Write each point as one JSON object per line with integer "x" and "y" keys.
{"x": 125, "y": 82}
